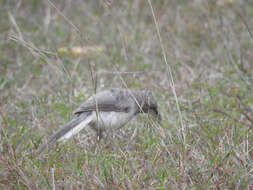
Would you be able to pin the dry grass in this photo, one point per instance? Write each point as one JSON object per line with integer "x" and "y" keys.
{"x": 205, "y": 139}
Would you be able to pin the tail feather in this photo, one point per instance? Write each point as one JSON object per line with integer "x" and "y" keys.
{"x": 68, "y": 130}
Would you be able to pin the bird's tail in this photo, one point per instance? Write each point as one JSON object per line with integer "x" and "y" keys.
{"x": 68, "y": 130}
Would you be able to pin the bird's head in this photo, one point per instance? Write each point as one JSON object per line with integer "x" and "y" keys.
{"x": 150, "y": 105}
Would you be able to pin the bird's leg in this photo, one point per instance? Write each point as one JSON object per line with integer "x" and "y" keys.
{"x": 108, "y": 139}
{"x": 99, "y": 135}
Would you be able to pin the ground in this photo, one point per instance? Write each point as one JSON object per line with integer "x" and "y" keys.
{"x": 195, "y": 56}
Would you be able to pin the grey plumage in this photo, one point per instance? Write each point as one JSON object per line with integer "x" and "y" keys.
{"x": 106, "y": 110}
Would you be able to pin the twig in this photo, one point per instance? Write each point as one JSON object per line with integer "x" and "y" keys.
{"x": 31, "y": 46}
{"x": 243, "y": 111}
{"x": 238, "y": 13}
{"x": 13, "y": 21}
{"x": 233, "y": 62}
{"x": 67, "y": 20}
{"x": 229, "y": 116}
{"x": 53, "y": 183}
{"x": 172, "y": 84}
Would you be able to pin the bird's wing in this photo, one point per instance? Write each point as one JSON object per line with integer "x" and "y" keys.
{"x": 109, "y": 100}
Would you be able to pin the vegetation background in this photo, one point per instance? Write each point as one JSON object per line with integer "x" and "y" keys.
{"x": 197, "y": 58}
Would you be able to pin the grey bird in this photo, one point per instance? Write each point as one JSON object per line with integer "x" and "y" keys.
{"x": 106, "y": 110}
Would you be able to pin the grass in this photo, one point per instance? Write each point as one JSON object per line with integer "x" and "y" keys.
{"x": 205, "y": 139}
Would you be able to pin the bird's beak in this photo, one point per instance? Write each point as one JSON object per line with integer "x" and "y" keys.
{"x": 157, "y": 115}
{"x": 159, "y": 118}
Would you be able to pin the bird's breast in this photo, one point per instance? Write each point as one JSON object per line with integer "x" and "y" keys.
{"x": 112, "y": 120}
